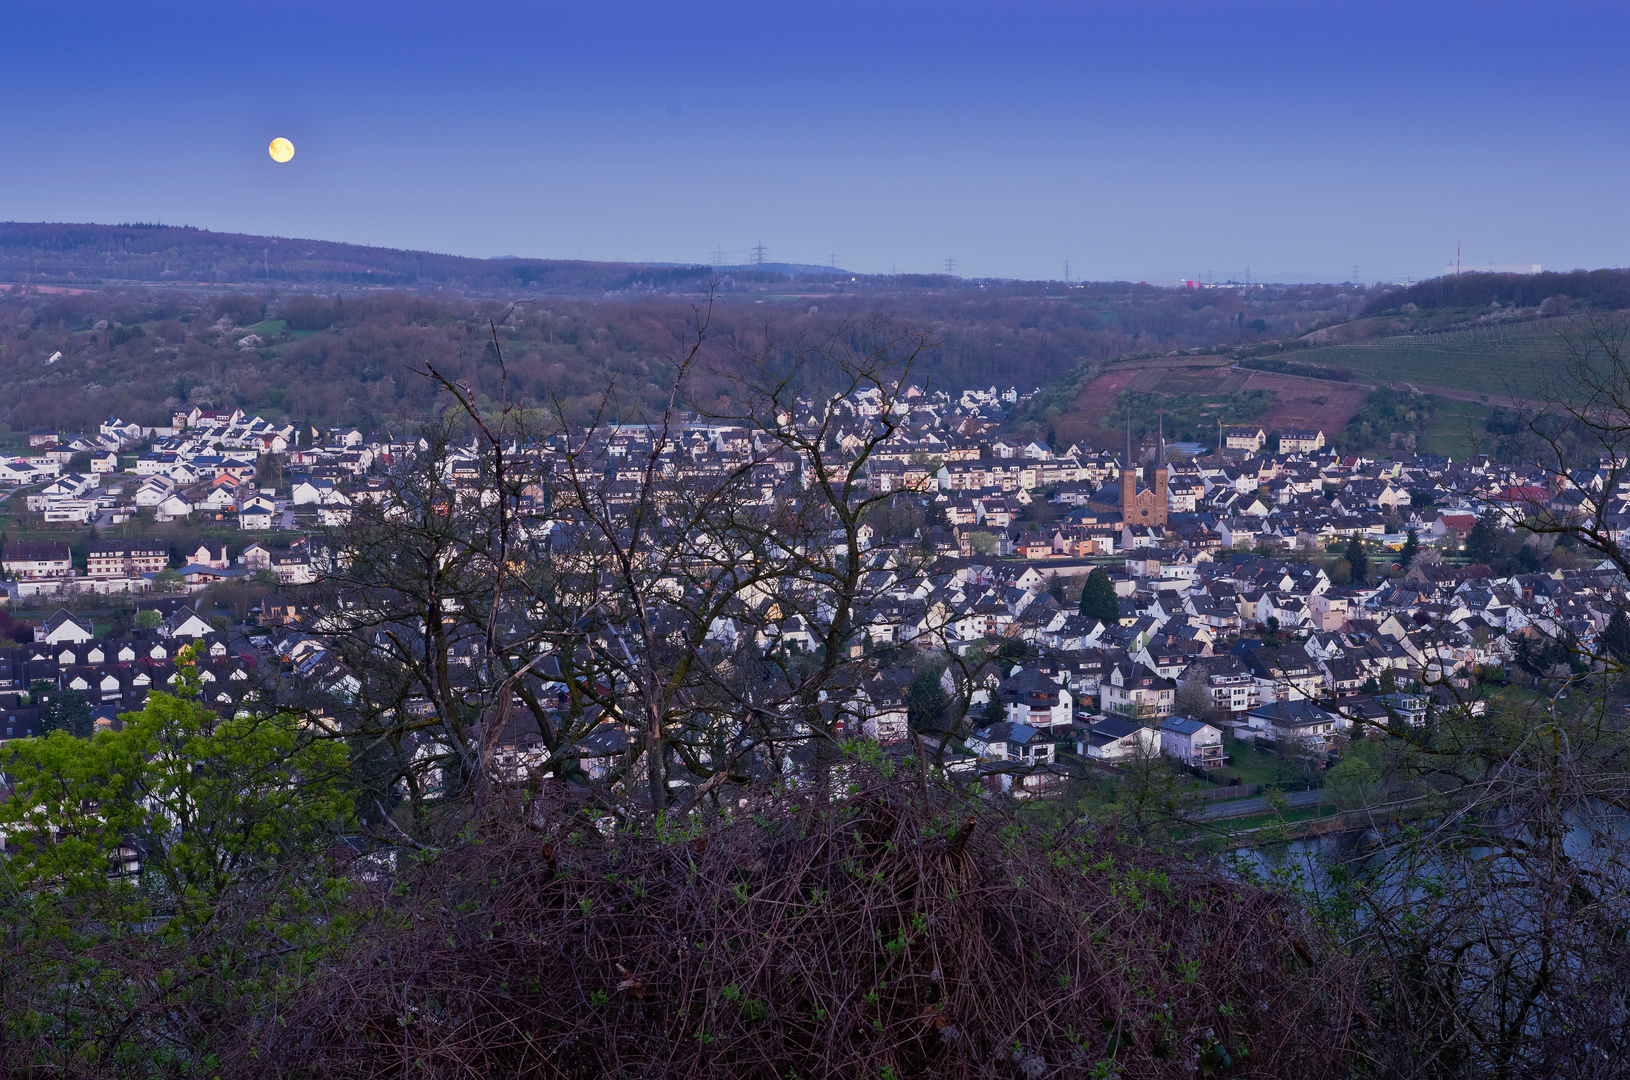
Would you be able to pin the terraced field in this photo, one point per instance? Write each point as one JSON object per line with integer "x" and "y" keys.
{"x": 1297, "y": 401}
{"x": 1493, "y": 361}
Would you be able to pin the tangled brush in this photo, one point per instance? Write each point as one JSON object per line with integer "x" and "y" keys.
{"x": 888, "y": 934}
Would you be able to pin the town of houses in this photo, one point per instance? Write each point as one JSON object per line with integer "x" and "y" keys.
{"x": 1217, "y": 562}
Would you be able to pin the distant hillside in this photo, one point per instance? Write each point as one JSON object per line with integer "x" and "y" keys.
{"x": 70, "y": 357}
{"x": 76, "y": 255}
{"x": 81, "y": 255}
{"x": 1600, "y": 290}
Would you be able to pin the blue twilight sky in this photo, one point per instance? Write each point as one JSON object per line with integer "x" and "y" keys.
{"x": 1136, "y": 140}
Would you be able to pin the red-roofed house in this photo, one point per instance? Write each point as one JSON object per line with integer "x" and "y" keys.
{"x": 1455, "y": 526}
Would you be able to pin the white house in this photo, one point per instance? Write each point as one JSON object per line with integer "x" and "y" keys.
{"x": 18, "y": 472}
{"x": 1019, "y": 743}
{"x": 1299, "y": 720}
{"x": 309, "y": 491}
{"x": 65, "y": 627}
{"x": 1193, "y": 742}
{"x": 1113, "y": 738}
{"x": 256, "y": 512}
{"x": 221, "y": 498}
{"x": 1035, "y": 699}
{"x": 154, "y": 490}
{"x": 186, "y": 623}
{"x": 175, "y": 505}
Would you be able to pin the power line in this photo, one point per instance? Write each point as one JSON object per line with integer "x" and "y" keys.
{"x": 718, "y": 257}
{"x": 1066, "y": 271}
{"x": 758, "y": 253}
{"x": 832, "y": 260}
{"x": 950, "y": 266}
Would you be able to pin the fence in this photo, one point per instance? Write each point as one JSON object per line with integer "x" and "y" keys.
{"x": 1217, "y": 794}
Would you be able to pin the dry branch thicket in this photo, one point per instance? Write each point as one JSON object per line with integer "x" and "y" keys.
{"x": 875, "y": 936}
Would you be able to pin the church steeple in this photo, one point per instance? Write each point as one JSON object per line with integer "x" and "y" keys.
{"x": 1145, "y": 506}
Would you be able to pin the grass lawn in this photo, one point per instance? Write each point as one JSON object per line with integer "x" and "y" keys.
{"x": 1457, "y": 430}
{"x": 1254, "y": 766}
{"x": 268, "y": 326}
{"x": 1305, "y": 813}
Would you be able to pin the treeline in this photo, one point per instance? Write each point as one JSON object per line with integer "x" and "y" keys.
{"x": 1388, "y": 419}
{"x": 348, "y": 358}
{"x": 1601, "y": 290}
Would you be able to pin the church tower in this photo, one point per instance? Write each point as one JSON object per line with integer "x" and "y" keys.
{"x": 1160, "y": 465}
{"x": 1148, "y": 506}
{"x": 1129, "y": 479}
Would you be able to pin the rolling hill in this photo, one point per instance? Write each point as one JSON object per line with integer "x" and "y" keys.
{"x": 78, "y": 255}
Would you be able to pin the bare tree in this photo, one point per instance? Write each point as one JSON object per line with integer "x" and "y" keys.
{"x": 679, "y": 617}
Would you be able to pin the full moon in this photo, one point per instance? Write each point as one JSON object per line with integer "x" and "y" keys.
{"x": 281, "y": 150}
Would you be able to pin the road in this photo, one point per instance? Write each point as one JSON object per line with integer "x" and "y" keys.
{"x": 1241, "y": 807}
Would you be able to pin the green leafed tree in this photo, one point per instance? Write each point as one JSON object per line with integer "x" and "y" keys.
{"x": 213, "y": 803}
{"x": 1412, "y": 547}
{"x": 164, "y": 876}
{"x": 1098, "y": 598}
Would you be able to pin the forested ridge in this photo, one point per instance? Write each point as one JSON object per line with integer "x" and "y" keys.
{"x": 340, "y": 358}
{"x": 1601, "y": 290}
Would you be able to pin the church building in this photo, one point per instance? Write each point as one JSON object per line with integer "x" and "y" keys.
{"x": 1137, "y": 505}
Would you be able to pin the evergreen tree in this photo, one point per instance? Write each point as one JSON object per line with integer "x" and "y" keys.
{"x": 925, "y": 699}
{"x": 68, "y": 711}
{"x": 1358, "y": 560}
{"x": 1616, "y": 637}
{"x": 1526, "y": 561}
{"x": 1412, "y": 545}
{"x": 1535, "y": 659}
{"x": 1098, "y": 598}
{"x": 1483, "y": 542}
